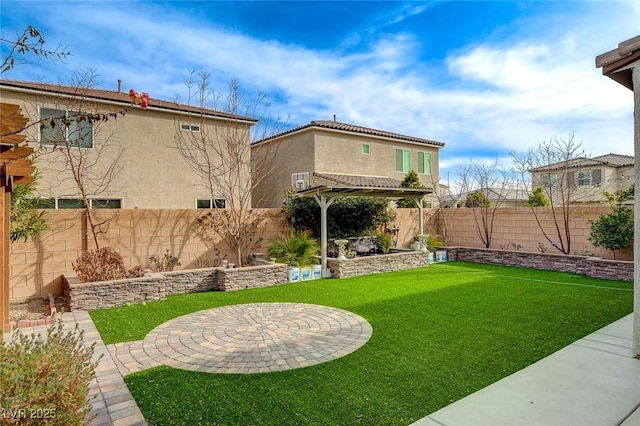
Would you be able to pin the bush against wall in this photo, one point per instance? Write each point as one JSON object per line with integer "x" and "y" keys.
{"x": 346, "y": 217}
{"x": 46, "y": 380}
{"x": 102, "y": 265}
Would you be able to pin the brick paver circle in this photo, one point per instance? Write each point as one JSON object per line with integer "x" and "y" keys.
{"x": 257, "y": 338}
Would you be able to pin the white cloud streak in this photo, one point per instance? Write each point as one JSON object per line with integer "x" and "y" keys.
{"x": 487, "y": 98}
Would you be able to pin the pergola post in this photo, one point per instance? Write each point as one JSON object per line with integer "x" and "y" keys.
{"x": 324, "y": 204}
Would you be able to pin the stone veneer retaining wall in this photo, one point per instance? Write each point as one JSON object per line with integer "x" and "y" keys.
{"x": 366, "y": 265}
{"x": 103, "y": 294}
{"x": 590, "y": 266}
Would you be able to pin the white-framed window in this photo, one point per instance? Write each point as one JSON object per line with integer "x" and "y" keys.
{"x": 585, "y": 178}
{"x": 211, "y": 203}
{"x": 300, "y": 180}
{"x": 59, "y": 127}
{"x": 77, "y": 203}
{"x": 424, "y": 163}
{"x": 190, "y": 127}
{"x": 549, "y": 179}
{"x": 366, "y": 149}
{"x": 403, "y": 160}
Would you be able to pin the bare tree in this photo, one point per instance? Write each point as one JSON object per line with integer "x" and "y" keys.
{"x": 486, "y": 187}
{"x": 220, "y": 154}
{"x": 30, "y": 42}
{"x": 73, "y": 128}
{"x": 552, "y": 166}
{"x": 443, "y": 212}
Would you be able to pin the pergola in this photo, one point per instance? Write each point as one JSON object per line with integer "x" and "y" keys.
{"x": 325, "y": 195}
{"x": 15, "y": 168}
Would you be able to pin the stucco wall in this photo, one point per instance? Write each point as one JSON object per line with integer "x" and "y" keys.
{"x": 150, "y": 172}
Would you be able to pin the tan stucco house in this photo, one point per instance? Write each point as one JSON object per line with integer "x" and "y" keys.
{"x": 328, "y": 152}
{"x": 150, "y": 172}
{"x": 584, "y": 179}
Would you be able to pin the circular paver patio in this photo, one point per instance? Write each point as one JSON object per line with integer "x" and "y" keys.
{"x": 255, "y": 338}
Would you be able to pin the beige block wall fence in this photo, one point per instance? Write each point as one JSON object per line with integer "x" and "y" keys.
{"x": 37, "y": 267}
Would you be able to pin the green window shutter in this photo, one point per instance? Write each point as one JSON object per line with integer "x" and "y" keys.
{"x": 407, "y": 161}
{"x": 365, "y": 148}
{"x": 399, "y": 157}
{"x": 424, "y": 163}
{"x": 427, "y": 163}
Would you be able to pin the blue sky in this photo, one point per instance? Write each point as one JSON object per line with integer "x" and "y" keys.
{"x": 482, "y": 77}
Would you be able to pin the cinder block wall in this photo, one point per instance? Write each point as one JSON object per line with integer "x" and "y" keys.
{"x": 37, "y": 267}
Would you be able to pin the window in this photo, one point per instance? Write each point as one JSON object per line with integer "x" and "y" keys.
{"x": 424, "y": 163}
{"x": 585, "y": 178}
{"x": 300, "y": 180}
{"x": 365, "y": 148}
{"x": 106, "y": 204}
{"x": 77, "y": 203}
{"x": 403, "y": 160}
{"x": 208, "y": 203}
{"x": 190, "y": 127}
{"x": 549, "y": 180}
{"x": 60, "y": 127}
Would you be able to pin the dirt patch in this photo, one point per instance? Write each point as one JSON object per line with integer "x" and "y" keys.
{"x": 34, "y": 309}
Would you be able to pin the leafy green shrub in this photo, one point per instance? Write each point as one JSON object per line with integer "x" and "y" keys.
{"x": 477, "y": 199}
{"x": 537, "y": 199}
{"x": 166, "y": 263}
{"x": 26, "y": 222}
{"x": 434, "y": 242}
{"x": 384, "y": 242}
{"x": 346, "y": 217}
{"x": 297, "y": 249}
{"x": 46, "y": 380}
{"x": 102, "y": 265}
{"x": 614, "y": 230}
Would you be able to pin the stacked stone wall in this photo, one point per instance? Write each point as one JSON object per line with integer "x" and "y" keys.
{"x": 366, "y": 265}
{"x": 589, "y": 266}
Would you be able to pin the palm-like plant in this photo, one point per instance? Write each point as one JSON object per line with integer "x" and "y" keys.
{"x": 295, "y": 249}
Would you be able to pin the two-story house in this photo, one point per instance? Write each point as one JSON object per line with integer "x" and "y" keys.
{"x": 136, "y": 149}
{"x": 584, "y": 179}
{"x": 333, "y": 153}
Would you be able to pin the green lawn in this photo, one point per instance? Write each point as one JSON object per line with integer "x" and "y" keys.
{"x": 440, "y": 333}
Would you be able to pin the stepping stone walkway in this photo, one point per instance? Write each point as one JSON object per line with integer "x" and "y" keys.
{"x": 247, "y": 338}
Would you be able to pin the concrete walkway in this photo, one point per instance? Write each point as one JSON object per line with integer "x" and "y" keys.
{"x": 592, "y": 382}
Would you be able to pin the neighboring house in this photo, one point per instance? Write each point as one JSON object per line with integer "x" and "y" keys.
{"x": 506, "y": 197}
{"x": 150, "y": 173}
{"x": 585, "y": 179}
{"x": 334, "y": 153}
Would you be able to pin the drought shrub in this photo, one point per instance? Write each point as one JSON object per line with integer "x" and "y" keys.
{"x": 384, "y": 242}
{"x": 45, "y": 380}
{"x": 102, "y": 265}
{"x": 166, "y": 263}
{"x": 297, "y": 249}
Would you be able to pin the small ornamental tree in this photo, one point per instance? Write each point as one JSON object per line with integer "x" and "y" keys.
{"x": 411, "y": 180}
{"x": 613, "y": 231}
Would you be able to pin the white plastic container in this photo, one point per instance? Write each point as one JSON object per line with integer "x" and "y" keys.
{"x": 294, "y": 274}
{"x": 441, "y": 256}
